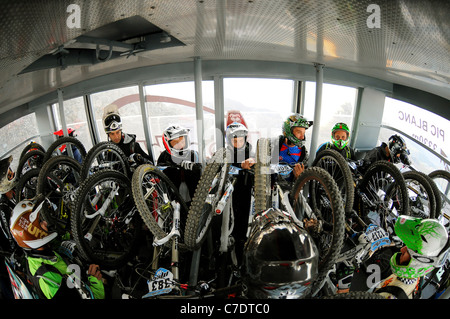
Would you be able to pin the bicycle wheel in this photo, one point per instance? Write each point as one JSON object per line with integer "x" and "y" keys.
{"x": 58, "y": 180}
{"x": 336, "y": 165}
{"x": 205, "y": 199}
{"x": 262, "y": 175}
{"x": 61, "y": 147}
{"x": 437, "y": 195}
{"x": 31, "y": 147}
{"x": 383, "y": 195}
{"x": 421, "y": 196}
{"x": 442, "y": 180}
{"x": 27, "y": 186}
{"x": 105, "y": 155}
{"x": 325, "y": 213}
{"x": 30, "y": 160}
{"x": 105, "y": 223}
{"x": 153, "y": 192}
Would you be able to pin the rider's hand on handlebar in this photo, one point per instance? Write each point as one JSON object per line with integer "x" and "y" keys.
{"x": 248, "y": 163}
{"x": 298, "y": 169}
{"x": 137, "y": 158}
{"x": 188, "y": 165}
{"x": 94, "y": 270}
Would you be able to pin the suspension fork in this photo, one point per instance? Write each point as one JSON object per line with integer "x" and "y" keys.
{"x": 101, "y": 212}
{"x": 175, "y": 234}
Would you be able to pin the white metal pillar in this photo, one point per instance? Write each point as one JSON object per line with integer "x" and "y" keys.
{"x": 61, "y": 112}
{"x": 199, "y": 108}
{"x": 145, "y": 122}
{"x": 219, "y": 111}
{"x": 317, "y": 111}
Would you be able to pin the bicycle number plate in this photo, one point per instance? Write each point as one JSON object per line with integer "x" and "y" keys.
{"x": 161, "y": 283}
{"x": 377, "y": 236}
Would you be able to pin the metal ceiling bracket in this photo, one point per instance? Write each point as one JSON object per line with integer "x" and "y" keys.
{"x": 97, "y": 53}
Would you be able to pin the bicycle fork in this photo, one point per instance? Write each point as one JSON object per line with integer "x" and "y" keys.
{"x": 101, "y": 212}
{"x": 175, "y": 234}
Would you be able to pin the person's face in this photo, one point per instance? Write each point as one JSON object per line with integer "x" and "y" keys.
{"x": 405, "y": 257}
{"x": 340, "y": 135}
{"x": 115, "y": 136}
{"x": 238, "y": 142}
{"x": 299, "y": 132}
{"x": 178, "y": 143}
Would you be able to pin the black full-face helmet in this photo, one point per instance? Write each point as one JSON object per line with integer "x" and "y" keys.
{"x": 398, "y": 150}
{"x": 280, "y": 259}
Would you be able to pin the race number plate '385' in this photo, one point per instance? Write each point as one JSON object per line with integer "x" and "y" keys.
{"x": 161, "y": 283}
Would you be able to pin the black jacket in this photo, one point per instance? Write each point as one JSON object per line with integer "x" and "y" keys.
{"x": 6, "y": 240}
{"x": 129, "y": 146}
{"x": 347, "y": 151}
{"x": 178, "y": 174}
{"x": 376, "y": 154}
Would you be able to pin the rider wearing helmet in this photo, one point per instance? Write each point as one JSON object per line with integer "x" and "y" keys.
{"x": 236, "y": 136}
{"x": 395, "y": 151}
{"x": 291, "y": 144}
{"x": 46, "y": 268}
{"x": 183, "y": 164}
{"x": 280, "y": 258}
{"x": 236, "y": 140}
{"x": 112, "y": 123}
{"x": 426, "y": 247}
{"x": 76, "y": 152}
{"x": 7, "y": 202}
{"x": 340, "y": 136}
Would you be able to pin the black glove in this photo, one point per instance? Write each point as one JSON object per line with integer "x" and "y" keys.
{"x": 188, "y": 165}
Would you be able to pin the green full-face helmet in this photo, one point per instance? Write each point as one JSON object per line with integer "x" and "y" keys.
{"x": 427, "y": 243}
{"x": 340, "y": 144}
{"x": 295, "y": 120}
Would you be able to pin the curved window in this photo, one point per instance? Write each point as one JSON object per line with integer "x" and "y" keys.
{"x": 128, "y": 102}
{"x": 174, "y": 104}
{"x": 421, "y": 128}
{"x": 75, "y": 116}
{"x": 338, "y": 105}
{"x": 14, "y": 137}
{"x": 263, "y": 103}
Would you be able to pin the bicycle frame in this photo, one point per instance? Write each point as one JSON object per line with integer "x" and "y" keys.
{"x": 175, "y": 235}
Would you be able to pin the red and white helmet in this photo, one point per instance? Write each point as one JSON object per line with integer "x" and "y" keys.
{"x": 173, "y": 132}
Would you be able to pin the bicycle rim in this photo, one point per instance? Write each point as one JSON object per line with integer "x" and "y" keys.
{"x": 106, "y": 230}
{"x": 153, "y": 193}
{"x": 328, "y": 215}
{"x": 201, "y": 212}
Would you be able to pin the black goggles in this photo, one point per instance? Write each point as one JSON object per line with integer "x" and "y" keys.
{"x": 112, "y": 118}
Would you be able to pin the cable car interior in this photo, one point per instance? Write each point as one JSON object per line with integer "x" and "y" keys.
{"x": 382, "y": 67}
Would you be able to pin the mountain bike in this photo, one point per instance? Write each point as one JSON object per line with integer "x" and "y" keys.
{"x": 68, "y": 146}
{"x": 30, "y": 160}
{"x": 58, "y": 181}
{"x": 105, "y": 155}
{"x": 379, "y": 191}
{"x": 105, "y": 223}
{"x": 442, "y": 180}
{"x": 313, "y": 200}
